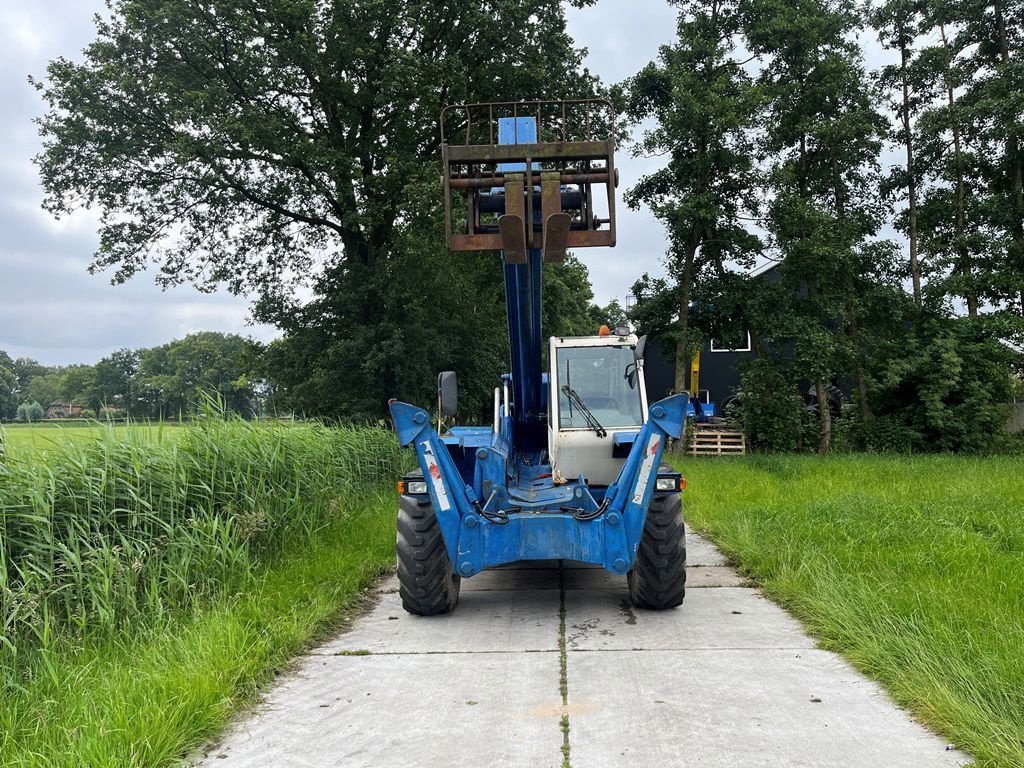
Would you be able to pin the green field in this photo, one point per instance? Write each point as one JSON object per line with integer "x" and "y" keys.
{"x": 911, "y": 567}
{"x": 43, "y": 436}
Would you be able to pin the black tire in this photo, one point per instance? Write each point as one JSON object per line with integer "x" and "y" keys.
{"x": 658, "y": 577}
{"x": 427, "y": 583}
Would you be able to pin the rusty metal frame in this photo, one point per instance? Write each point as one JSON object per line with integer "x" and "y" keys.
{"x": 582, "y": 155}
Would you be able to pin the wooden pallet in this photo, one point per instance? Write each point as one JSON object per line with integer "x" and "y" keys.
{"x": 718, "y": 442}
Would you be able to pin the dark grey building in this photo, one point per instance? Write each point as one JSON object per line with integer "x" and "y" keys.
{"x": 720, "y": 362}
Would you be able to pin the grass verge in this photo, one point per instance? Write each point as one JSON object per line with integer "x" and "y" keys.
{"x": 912, "y": 568}
{"x": 148, "y": 698}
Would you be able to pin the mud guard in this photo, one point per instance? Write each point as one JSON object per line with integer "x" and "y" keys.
{"x": 448, "y": 493}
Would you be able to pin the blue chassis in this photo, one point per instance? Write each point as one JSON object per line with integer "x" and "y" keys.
{"x": 541, "y": 517}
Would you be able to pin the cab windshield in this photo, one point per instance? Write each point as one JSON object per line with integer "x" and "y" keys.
{"x": 605, "y": 380}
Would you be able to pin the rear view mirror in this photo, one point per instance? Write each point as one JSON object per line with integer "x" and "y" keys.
{"x": 641, "y": 346}
{"x": 631, "y": 375}
{"x": 448, "y": 393}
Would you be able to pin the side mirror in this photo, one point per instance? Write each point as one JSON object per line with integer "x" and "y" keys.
{"x": 448, "y": 392}
{"x": 641, "y": 346}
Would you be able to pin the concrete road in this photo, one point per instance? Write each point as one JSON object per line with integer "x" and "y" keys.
{"x": 545, "y": 666}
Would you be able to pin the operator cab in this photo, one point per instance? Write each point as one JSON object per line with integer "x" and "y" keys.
{"x": 598, "y": 404}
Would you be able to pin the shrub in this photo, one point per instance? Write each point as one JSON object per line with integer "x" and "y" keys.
{"x": 770, "y": 408}
{"x": 942, "y": 387}
{"x": 29, "y": 412}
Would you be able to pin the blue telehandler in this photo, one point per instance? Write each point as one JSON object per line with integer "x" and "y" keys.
{"x": 570, "y": 469}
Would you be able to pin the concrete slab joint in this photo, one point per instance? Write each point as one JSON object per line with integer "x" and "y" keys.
{"x": 549, "y": 665}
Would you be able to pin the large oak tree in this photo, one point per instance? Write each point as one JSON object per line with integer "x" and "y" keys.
{"x": 262, "y": 142}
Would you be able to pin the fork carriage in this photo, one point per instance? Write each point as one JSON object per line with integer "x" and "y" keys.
{"x": 569, "y": 149}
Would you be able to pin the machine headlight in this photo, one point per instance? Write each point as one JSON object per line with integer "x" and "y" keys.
{"x": 666, "y": 484}
{"x": 416, "y": 487}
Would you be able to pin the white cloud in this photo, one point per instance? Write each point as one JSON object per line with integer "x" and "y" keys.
{"x": 20, "y": 32}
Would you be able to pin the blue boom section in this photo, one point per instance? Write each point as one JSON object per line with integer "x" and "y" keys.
{"x": 523, "y": 515}
{"x": 523, "y": 300}
{"x": 523, "y": 297}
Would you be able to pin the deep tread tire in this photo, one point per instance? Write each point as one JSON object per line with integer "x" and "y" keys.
{"x": 427, "y": 583}
{"x": 658, "y": 578}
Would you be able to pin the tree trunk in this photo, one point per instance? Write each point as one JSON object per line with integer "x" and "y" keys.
{"x": 862, "y": 392}
{"x": 682, "y": 366}
{"x": 915, "y": 268}
{"x": 683, "y": 342}
{"x": 862, "y": 381}
{"x": 824, "y": 416}
{"x": 963, "y": 256}
{"x": 755, "y": 344}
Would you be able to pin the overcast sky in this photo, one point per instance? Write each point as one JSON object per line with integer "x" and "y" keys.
{"x": 51, "y": 309}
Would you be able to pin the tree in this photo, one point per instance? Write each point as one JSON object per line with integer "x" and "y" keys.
{"x": 821, "y": 138}
{"x": 898, "y": 23}
{"x": 114, "y": 384}
{"x": 249, "y": 142}
{"x": 704, "y": 105}
{"x": 567, "y": 295}
{"x": 26, "y": 369}
{"x": 950, "y": 166}
{"x": 611, "y": 314}
{"x": 44, "y": 389}
{"x": 271, "y": 129}
{"x": 942, "y": 386}
{"x": 30, "y": 411}
{"x": 999, "y": 96}
{"x": 835, "y": 308}
{"x": 967, "y": 127}
{"x": 78, "y": 385}
{"x": 8, "y": 387}
{"x": 989, "y": 44}
{"x": 173, "y": 378}
{"x": 655, "y": 309}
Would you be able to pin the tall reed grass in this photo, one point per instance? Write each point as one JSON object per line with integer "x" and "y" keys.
{"x": 102, "y": 535}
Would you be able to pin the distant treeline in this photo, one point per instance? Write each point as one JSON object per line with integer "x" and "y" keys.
{"x": 171, "y": 381}
{"x": 165, "y": 382}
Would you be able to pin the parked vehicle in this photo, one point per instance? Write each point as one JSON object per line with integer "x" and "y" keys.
{"x": 571, "y": 467}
